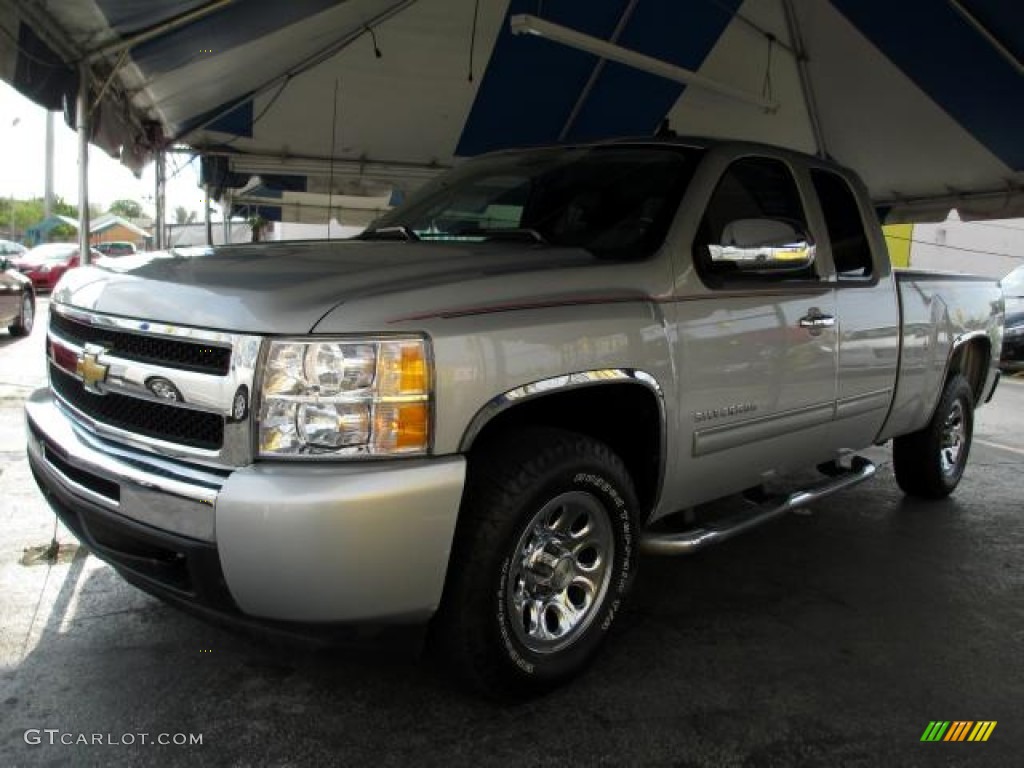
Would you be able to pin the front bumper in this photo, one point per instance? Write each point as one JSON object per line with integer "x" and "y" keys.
{"x": 297, "y": 542}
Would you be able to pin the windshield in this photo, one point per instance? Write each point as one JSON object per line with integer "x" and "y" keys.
{"x": 612, "y": 200}
{"x": 49, "y": 253}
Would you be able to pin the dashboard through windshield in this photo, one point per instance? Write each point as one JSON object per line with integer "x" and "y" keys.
{"x": 612, "y": 200}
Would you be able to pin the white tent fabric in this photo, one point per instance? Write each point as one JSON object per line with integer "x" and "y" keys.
{"x": 924, "y": 98}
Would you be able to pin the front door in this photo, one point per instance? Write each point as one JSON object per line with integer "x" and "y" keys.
{"x": 755, "y": 336}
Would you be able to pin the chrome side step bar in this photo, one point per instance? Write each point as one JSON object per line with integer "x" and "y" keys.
{"x": 696, "y": 539}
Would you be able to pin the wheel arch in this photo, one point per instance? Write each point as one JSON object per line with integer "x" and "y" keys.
{"x": 971, "y": 356}
{"x": 623, "y": 408}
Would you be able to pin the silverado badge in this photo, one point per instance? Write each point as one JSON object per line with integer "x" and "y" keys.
{"x": 89, "y": 367}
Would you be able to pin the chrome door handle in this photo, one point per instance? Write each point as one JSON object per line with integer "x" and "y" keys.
{"x": 815, "y": 321}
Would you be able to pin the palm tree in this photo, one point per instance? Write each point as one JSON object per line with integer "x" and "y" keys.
{"x": 183, "y": 216}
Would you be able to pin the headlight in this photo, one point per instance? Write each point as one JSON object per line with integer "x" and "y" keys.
{"x": 342, "y": 398}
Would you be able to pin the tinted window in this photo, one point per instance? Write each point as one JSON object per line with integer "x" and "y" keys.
{"x": 851, "y": 251}
{"x": 754, "y": 227}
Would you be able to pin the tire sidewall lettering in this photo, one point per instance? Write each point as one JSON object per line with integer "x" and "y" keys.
{"x": 503, "y": 626}
{"x": 617, "y": 509}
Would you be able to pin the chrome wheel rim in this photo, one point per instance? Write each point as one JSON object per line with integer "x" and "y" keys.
{"x": 28, "y": 314}
{"x": 560, "y": 570}
{"x": 954, "y": 435}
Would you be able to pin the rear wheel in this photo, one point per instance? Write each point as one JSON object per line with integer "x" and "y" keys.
{"x": 929, "y": 463}
{"x": 26, "y": 318}
{"x": 544, "y": 556}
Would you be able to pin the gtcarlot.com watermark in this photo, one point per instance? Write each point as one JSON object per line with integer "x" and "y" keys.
{"x": 56, "y": 737}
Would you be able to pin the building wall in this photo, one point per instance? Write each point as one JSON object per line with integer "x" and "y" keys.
{"x": 118, "y": 233}
{"x": 989, "y": 248}
{"x": 286, "y": 230}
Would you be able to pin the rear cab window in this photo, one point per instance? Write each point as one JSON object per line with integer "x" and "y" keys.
{"x": 851, "y": 249}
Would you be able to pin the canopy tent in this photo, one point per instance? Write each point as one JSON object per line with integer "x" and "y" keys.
{"x": 318, "y": 99}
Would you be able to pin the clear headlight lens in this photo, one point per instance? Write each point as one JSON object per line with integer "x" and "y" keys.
{"x": 345, "y": 397}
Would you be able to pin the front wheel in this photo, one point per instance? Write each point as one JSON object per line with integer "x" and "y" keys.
{"x": 26, "y": 318}
{"x": 929, "y": 463}
{"x": 544, "y": 555}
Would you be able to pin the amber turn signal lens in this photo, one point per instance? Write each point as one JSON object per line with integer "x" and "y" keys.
{"x": 400, "y": 427}
{"x": 414, "y": 370}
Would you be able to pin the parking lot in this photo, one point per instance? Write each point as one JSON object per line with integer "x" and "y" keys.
{"x": 832, "y": 637}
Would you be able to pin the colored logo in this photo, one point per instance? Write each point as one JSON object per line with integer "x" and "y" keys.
{"x": 89, "y": 367}
{"x": 958, "y": 730}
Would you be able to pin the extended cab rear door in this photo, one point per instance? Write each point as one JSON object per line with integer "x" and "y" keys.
{"x": 868, "y": 320}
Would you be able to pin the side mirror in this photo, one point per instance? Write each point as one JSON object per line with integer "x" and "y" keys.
{"x": 762, "y": 245}
{"x": 5, "y": 264}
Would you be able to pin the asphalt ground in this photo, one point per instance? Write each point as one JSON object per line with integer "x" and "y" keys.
{"x": 831, "y": 637}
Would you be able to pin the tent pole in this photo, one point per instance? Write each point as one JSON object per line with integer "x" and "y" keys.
{"x": 526, "y": 24}
{"x": 796, "y": 40}
{"x": 989, "y": 36}
{"x": 595, "y": 73}
{"x": 158, "y": 30}
{"x": 206, "y": 212}
{"x": 82, "y": 127}
{"x": 161, "y": 214}
{"x": 335, "y": 47}
{"x": 48, "y": 189}
{"x": 226, "y": 215}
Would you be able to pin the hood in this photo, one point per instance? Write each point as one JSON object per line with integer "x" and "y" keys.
{"x": 286, "y": 287}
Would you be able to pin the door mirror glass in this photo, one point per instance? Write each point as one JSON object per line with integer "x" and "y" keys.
{"x": 762, "y": 245}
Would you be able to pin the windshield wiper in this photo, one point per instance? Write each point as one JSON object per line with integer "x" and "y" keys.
{"x": 388, "y": 233}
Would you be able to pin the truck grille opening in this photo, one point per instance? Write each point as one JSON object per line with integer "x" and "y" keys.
{"x": 141, "y": 417}
{"x": 96, "y": 484}
{"x": 183, "y": 355}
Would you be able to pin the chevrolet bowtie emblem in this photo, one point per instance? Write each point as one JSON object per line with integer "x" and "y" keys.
{"x": 89, "y": 367}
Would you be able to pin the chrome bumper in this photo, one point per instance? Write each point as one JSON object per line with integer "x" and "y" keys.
{"x": 282, "y": 541}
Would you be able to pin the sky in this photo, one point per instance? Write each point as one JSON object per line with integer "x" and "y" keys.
{"x": 23, "y": 164}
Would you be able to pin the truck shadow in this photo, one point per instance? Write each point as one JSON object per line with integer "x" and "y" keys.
{"x": 730, "y": 656}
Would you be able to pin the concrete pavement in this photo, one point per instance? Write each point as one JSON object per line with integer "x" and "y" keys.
{"x": 829, "y": 638}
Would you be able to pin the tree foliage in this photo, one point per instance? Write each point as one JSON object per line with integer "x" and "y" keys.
{"x": 183, "y": 216}
{"x": 128, "y": 209}
{"x": 27, "y": 213}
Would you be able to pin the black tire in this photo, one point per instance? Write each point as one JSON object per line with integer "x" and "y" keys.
{"x": 26, "y": 317}
{"x": 930, "y": 463}
{"x": 536, "y": 486}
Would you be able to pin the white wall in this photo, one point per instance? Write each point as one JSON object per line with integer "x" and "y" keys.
{"x": 286, "y": 230}
{"x": 989, "y": 248}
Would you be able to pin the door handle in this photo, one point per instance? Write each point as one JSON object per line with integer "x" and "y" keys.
{"x": 815, "y": 320}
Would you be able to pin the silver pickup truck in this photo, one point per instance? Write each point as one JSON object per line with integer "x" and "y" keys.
{"x": 480, "y": 411}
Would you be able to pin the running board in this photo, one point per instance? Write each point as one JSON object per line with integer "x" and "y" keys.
{"x": 696, "y": 539}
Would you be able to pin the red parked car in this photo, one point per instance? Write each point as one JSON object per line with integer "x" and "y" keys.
{"x": 45, "y": 264}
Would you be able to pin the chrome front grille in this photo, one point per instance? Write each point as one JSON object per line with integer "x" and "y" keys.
{"x": 183, "y": 355}
{"x": 142, "y": 417}
{"x": 171, "y": 390}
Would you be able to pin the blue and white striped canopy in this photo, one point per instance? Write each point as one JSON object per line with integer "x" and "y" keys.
{"x": 924, "y": 98}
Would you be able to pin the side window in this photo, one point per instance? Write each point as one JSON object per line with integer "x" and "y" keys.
{"x": 851, "y": 251}
{"x": 754, "y": 229}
